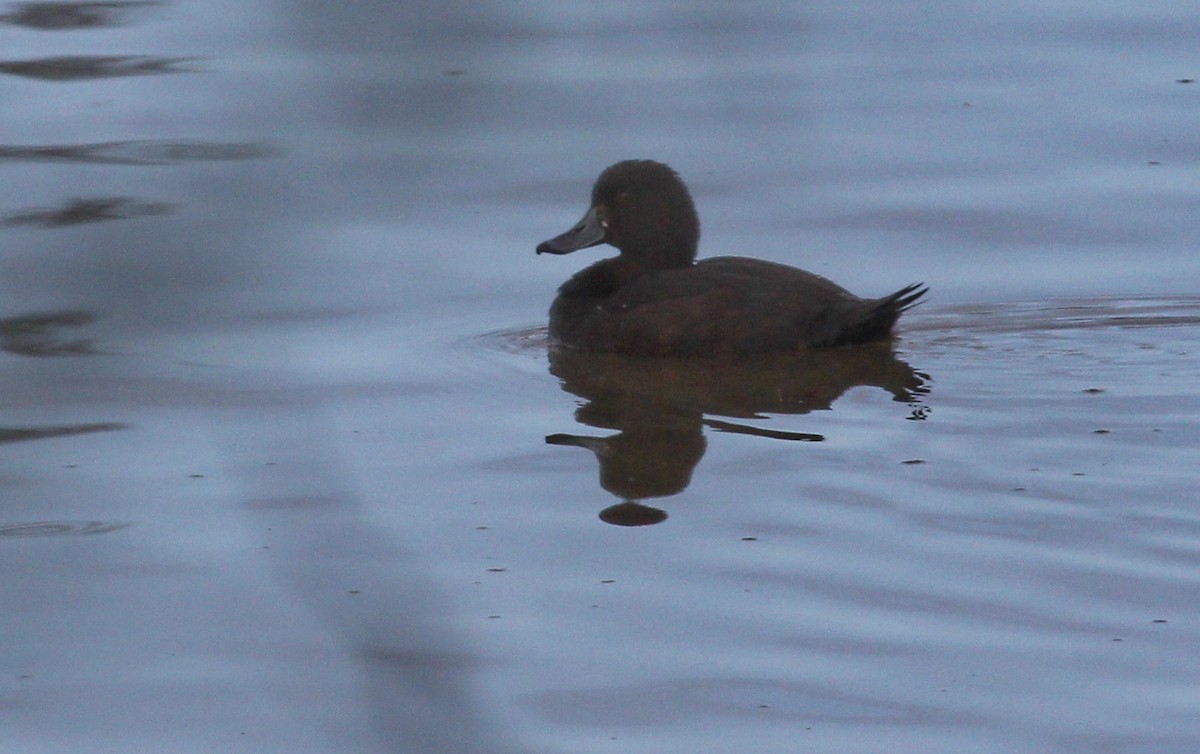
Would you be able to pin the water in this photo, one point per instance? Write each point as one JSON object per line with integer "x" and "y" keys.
{"x": 286, "y": 466}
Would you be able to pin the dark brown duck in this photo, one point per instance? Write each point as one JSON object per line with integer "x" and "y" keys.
{"x": 655, "y": 299}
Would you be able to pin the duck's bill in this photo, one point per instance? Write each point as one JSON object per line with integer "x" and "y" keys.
{"x": 589, "y": 231}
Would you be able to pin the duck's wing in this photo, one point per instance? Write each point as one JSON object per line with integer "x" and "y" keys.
{"x": 822, "y": 312}
{"x": 724, "y": 304}
{"x": 734, "y": 305}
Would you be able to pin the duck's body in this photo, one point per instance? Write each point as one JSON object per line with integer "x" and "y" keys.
{"x": 655, "y": 300}
{"x": 718, "y": 305}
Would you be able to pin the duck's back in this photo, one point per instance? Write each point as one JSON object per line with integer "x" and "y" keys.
{"x": 718, "y": 305}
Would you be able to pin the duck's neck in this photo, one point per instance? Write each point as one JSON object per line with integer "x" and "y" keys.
{"x": 664, "y": 256}
{"x": 661, "y": 251}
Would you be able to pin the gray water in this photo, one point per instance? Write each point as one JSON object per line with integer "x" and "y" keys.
{"x": 286, "y": 466}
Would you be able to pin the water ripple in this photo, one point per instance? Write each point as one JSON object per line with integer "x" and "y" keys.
{"x": 137, "y": 152}
{"x": 91, "y": 210}
{"x": 63, "y": 16}
{"x": 79, "y": 67}
{"x": 59, "y": 528}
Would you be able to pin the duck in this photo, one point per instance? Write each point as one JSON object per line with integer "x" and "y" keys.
{"x": 655, "y": 299}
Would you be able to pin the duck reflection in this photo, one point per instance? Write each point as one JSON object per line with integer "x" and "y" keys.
{"x": 660, "y": 408}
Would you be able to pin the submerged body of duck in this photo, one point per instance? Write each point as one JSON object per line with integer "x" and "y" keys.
{"x": 654, "y": 299}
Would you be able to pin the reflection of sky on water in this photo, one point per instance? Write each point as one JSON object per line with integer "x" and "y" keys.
{"x": 326, "y": 503}
{"x": 875, "y": 148}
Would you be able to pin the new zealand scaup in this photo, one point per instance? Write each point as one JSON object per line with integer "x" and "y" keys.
{"x": 655, "y": 299}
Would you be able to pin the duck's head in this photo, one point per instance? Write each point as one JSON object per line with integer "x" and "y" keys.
{"x": 642, "y": 208}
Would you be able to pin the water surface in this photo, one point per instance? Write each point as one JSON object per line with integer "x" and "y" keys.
{"x": 288, "y": 466}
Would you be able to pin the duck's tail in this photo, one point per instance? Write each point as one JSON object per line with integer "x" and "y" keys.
{"x": 902, "y": 300}
{"x": 881, "y": 315}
